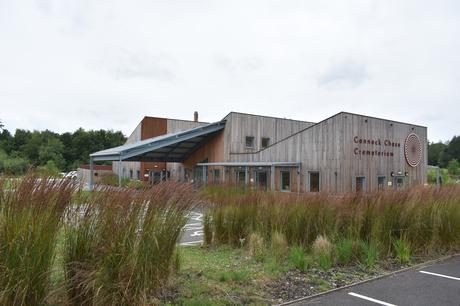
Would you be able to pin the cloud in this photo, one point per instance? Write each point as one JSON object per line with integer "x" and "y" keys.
{"x": 117, "y": 61}
{"x": 126, "y": 64}
{"x": 239, "y": 65}
{"x": 344, "y": 75}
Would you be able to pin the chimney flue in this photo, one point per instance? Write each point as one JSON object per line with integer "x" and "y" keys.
{"x": 195, "y": 116}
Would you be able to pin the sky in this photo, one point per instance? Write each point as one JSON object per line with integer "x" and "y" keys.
{"x": 105, "y": 64}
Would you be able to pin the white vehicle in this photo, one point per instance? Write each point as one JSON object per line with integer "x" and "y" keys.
{"x": 72, "y": 175}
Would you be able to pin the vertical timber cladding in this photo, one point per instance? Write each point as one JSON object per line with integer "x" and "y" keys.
{"x": 333, "y": 148}
{"x": 152, "y": 127}
{"x": 376, "y": 147}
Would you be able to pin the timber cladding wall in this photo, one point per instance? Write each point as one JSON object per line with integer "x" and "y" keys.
{"x": 384, "y": 151}
{"x": 240, "y": 125}
{"x": 333, "y": 148}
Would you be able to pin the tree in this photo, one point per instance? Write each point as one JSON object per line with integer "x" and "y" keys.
{"x": 434, "y": 152}
{"x": 453, "y": 167}
{"x": 52, "y": 151}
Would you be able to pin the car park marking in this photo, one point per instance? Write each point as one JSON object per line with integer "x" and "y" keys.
{"x": 440, "y": 275}
{"x": 370, "y": 299}
{"x": 191, "y": 243}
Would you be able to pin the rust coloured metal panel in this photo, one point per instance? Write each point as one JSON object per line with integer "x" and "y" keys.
{"x": 152, "y": 127}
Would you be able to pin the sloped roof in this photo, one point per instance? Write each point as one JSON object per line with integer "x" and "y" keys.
{"x": 174, "y": 147}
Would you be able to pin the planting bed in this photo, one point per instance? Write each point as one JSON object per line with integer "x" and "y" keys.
{"x": 227, "y": 276}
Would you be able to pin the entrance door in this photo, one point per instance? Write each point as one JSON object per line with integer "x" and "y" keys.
{"x": 262, "y": 181}
{"x": 154, "y": 176}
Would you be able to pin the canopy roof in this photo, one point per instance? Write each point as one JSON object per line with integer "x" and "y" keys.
{"x": 175, "y": 147}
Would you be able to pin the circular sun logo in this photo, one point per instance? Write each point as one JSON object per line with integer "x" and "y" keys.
{"x": 413, "y": 150}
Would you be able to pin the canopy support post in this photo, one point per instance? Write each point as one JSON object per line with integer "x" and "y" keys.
{"x": 119, "y": 171}
{"x": 91, "y": 173}
{"x": 298, "y": 179}
{"x": 246, "y": 175}
{"x": 272, "y": 177}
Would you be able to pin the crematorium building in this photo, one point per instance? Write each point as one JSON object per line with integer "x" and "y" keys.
{"x": 345, "y": 152}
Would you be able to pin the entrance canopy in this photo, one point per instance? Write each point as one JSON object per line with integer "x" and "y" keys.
{"x": 175, "y": 147}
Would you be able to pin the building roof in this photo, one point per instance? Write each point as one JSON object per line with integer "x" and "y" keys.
{"x": 174, "y": 147}
{"x": 97, "y": 167}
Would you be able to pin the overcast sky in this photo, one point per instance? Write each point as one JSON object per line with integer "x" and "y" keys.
{"x": 106, "y": 64}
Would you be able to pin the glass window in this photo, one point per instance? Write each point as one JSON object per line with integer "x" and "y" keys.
{"x": 249, "y": 142}
{"x": 399, "y": 182}
{"x": 265, "y": 142}
{"x": 131, "y": 173}
{"x": 360, "y": 183}
{"x": 285, "y": 181}
{"x": 314, "y": 181}
{"x": 240, "y": 177}
{"x": 381, "y": 181}
{"x": 216, "y": 176}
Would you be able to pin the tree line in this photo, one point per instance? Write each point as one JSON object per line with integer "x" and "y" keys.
{"x": 445, "y": 155}
{"x": 50, "y": 151}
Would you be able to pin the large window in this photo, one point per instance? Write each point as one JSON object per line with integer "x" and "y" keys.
{"x": 381, "y": 182}
{"x": 313, "y": 181}
{"x": 249, "y": 141}
{"x": 285, "y": 181}
{"x": 240, "y": 177}
{"x": 360, "y": 183}
{"x": 216, "y": 176}
{"x": 265, "y": 142}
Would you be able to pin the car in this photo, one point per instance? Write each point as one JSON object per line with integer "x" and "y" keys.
{"x": 71, "y": 174}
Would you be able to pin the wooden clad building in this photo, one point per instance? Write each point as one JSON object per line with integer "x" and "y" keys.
{"x": 345, "y": 152}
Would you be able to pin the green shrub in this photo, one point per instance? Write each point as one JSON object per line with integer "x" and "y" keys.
{"x": 323, "y": 250}
{"x": 134, "y": 184}
{"x": 238, "y": 276}
{"x": 346, "y": 251}
{"x": 207, "y": 228}
{"x": 279, "y": 246}
{"x": 50, "y": 169}
{"x": 112, "y": 180}
{"x": 402, "y": 251}
{"x": 369, "y": 253}
{"x": 298, "y": 259}
{"x": 14, "y": 165}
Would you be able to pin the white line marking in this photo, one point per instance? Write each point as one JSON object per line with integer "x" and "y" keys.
{"x": 440, "y": 275}
{"x": 370, "y": 299}
{"x": 191, "y": 243}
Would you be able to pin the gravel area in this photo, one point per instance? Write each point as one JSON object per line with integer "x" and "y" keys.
{"x": 296, "y": 284}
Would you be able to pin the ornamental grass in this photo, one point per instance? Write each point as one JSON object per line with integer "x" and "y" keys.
{"x": 120, "y": 245}
{"x": 31, "y": 214}
{"x": 426, "y": 218}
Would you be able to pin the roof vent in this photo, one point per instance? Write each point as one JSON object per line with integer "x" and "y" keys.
{"x": 195, "y": 116}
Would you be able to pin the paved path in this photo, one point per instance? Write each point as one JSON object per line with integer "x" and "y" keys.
{"x": 193, "y": 230}
{"x": 436, "y": 284}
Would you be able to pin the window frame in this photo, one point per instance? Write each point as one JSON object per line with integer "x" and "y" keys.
{"x": 216, "y": 179}
{"x": 262, "y": 142}
{"x": 384, "y": 185}
{"x": 309, "y": 172}
{"x": 252, "y": 138}
{"x": 363, "y": 189}
{"x": 237, "y": 177}
{"x": 281, "y": 181}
